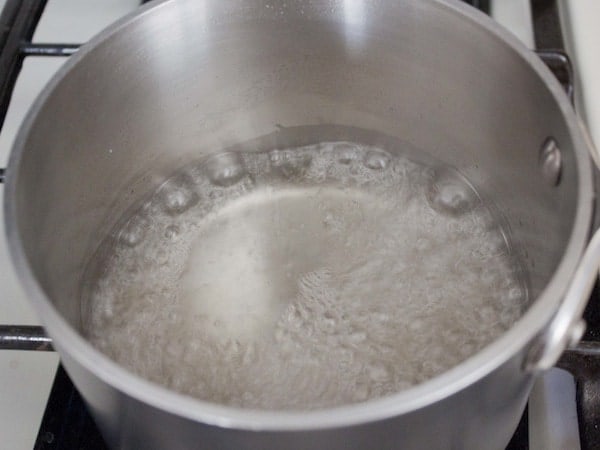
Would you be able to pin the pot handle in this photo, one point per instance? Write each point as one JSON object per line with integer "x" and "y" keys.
{"x": 567, "y": 326}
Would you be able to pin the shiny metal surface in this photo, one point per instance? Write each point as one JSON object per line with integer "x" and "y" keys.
{"x": 187, "y": 78}
{"x": 567, "y": 327}
{"x": 551, "y": 162}
{"x": 22, "y": 337}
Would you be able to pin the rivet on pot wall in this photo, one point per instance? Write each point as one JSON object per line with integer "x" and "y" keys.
{"x": 551, "y": 161}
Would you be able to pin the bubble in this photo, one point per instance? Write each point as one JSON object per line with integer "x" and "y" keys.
{"x": 346, "y": 152}
{"x": 277, "y": 157}
{"x": 449, "y": 193}
{"x": 512, "y": 296}
{"x": 178, "y": 195}
{"x": 178, "y": 201}
{"x": 493, "y": 246}
{"x": 133, "y": 232}
{"x": 290, "y": 164}
{"x": 172, "y": 231}
{"x": 377, "y": 160}
{"x": 225, "y": 169}
{"x": 515, "y": 294}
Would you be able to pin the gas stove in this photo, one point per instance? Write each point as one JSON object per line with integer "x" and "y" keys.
{"x": 40, "y": 408}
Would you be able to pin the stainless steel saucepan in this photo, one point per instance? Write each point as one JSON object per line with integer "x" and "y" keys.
{"x": 184, "y": 78}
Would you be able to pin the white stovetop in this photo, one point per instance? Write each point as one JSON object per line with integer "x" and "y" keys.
{"x": 26, "y": 377}
{"x": 580, "y": 19}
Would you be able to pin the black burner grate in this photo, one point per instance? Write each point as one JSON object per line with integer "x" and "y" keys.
{"x": 66, "y": 424}
{"x": 483, "y": 5}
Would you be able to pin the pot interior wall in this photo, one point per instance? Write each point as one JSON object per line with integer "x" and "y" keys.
{"x": 190, "y": 78}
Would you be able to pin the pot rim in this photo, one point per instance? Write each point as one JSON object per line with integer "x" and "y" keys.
{"x": 69, "y": 342}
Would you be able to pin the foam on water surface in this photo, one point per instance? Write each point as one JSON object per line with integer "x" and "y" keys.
{"x": 303, "y": 278}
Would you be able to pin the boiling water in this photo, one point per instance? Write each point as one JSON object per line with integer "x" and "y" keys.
{"x": 302, "y": 279}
